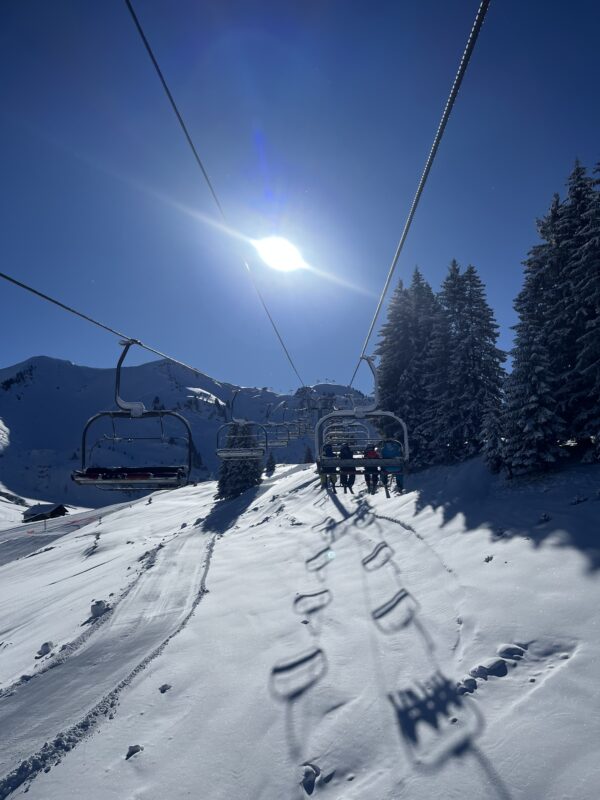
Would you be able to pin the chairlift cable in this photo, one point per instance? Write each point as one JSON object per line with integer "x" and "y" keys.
{"x": 206, "y": 176}
{"x": 462, "y": 68}
{"x": 86, "y": 317}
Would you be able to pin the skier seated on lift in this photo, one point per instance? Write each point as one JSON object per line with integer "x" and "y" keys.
{"x": 392, "y": 449}
{"x": 370, "y": 452}
{"x": 347, "y": 474}
{"x": 328, "y": 474}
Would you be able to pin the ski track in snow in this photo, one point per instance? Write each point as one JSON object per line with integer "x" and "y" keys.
{"x": 345, "y": 606}
{"x": 128, "y": 640}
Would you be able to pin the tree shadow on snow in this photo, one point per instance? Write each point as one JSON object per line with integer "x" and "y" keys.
{"x": 225, "y": 513}
{"x": 564, "y": 505}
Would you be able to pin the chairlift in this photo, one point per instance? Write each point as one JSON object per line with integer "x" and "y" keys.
{"x": 278, "y": 433}
{"x": 356, "y": 434}
{"x": 355, "y": 421}
{"x": 240, "y": 439}
{"x": 142, "y": 477}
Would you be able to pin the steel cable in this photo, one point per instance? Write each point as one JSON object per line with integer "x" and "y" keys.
{"x": 462, "y": 68}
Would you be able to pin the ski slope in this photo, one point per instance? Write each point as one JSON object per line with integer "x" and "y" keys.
{"x": 310, "y": 644}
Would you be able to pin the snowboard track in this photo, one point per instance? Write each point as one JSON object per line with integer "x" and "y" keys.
{"x": 52, "y": 751}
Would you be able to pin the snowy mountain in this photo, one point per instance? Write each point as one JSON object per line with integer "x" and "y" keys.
{"x": 45, "y": 403}
{"x": 292, "y": 643}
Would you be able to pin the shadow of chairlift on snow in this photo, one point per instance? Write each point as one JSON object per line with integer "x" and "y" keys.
{"x": 381, "y": 555}
{"x": 309, "y": 605}
{"x": 290, "y": 679}
{"x": 288, "y": 682}
{"x": 319, "y": 560}
{"x": 435, "y": 722}
{"x": 396, "y": 613}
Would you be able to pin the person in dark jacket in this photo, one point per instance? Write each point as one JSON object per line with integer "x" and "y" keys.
{"x": 347, "y": 474}
{"x": 371, "y": 470}
{"x": 328, "y": 474}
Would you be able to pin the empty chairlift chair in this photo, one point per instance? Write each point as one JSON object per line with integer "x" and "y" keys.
{"x": 241, "y": 439}
{"x": 146, "y": 474}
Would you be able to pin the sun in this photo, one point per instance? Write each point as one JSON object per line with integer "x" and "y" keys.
{"x": 279, "y": 254}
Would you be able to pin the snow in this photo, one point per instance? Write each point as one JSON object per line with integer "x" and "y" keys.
{"x": 279, "y": 624}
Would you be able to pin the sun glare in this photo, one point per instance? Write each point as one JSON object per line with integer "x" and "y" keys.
{"x": 279, "y": 254}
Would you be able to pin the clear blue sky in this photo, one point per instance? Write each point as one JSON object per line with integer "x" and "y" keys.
{"x": 314, "y": 118}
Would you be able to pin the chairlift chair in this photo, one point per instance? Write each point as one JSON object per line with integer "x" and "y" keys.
{"x": 278, "y": 434}
{"x": 241, "y": 445}
{"x": 361, "y": 416}
{"x": 142, "y": 477}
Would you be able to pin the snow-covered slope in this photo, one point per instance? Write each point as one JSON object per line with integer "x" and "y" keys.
{"x": 45, "y": 402}
{"x": 265, "y": 647}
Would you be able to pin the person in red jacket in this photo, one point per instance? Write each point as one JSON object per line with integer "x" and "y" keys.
{"x": 371, "y": 476}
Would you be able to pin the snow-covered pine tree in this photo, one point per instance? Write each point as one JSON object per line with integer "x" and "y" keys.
{"x": 270, "y": 465}
{"x": 565, "y": 305}
{"x": 403, "y": 341}
{"x": 237, "y": 475}
{"x": 449, "y": 422}
{"x": 432, "y": 429}
{"x": 493, "y": 434}
{"x": 533, "y": 427}
{"x": 586, "y": 268}
{"x": 393, "y": 349}
{"x": 476, "y": 363}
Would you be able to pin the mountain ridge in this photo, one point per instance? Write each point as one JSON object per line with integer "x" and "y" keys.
{"x": 45, "y": 403}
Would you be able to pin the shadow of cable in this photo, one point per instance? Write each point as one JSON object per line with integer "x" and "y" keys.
{"x": 491, "y": 772}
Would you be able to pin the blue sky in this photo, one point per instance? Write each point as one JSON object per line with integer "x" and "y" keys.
{"x": 314, "y": 119}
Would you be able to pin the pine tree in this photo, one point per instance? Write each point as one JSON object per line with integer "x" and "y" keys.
{"x": 403, "y": 341}
{"x": 237, "y": 475}
{"x": 476, "y": 362}
{"x": 270, "y": 465}
{"x": 565, "y": 304}
{"x": 449, "y": 425}
{"x": 533, "y": 427}
{"x": 493, "y": 434}
{"x": 394, "y": 348}
{"x": 586, "y": 267}
{"x": 431, "y": 432}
